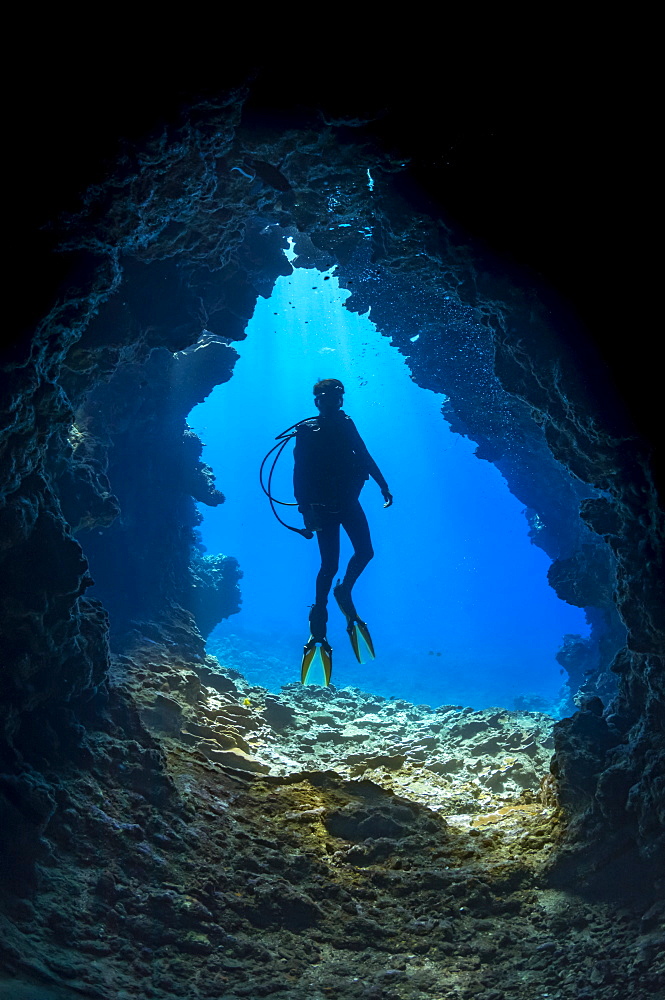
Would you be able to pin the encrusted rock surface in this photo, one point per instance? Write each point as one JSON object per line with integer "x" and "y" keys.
{"x": 320, "y": 843}
{"x": 133, "y": 429}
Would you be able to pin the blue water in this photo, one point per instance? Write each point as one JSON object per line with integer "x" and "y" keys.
{"x": 456, "y": 597}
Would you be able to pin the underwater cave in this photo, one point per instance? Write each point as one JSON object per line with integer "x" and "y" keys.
{"x": 478, "y": 813}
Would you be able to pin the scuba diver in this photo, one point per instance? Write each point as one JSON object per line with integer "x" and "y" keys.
{"x": 331, "y": 466}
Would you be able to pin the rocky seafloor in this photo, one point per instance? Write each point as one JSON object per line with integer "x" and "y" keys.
{"x": 213, "y": 840}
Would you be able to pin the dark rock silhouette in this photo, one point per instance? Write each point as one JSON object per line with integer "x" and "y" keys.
{"x": 133, "y": 427}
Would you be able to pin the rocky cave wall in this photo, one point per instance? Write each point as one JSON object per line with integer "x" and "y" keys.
{"x": 134, "y": 427}
{"x": 181, "y": 239}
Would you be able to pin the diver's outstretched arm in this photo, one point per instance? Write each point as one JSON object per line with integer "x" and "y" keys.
{"x": 374, "y": 470}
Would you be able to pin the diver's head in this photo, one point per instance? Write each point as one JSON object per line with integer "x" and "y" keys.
{"x": 328, "y": 396}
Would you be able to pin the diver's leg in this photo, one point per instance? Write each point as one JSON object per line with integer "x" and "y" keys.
{"x": 356, "y": 527}
{"x": 328, "y": 539}
{"x": 355, "y": 524}
{"x": 318, "y": 646}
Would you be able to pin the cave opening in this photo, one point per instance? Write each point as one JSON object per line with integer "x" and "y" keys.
{"x": 429, "y": 300}
{"x": 458, "y": 592}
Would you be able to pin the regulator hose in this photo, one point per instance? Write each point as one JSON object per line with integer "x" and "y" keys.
{"x": 282, "y": 441}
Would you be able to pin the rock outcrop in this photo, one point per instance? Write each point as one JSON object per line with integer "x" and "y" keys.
{"x": 241, "y": 844}
{"x": 133, "y": 429}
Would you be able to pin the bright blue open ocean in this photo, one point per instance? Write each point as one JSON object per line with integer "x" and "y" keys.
{"x": 456, "y": 597}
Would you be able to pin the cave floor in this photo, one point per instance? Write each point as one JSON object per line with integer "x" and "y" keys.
{"x": 216, "y": 841}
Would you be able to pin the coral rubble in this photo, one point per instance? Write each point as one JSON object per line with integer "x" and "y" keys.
{"x": 313, "y": 844}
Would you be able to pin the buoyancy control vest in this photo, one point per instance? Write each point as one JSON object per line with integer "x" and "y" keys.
{"x": 331, "y": 464}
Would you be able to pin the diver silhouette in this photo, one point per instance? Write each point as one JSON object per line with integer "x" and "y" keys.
{"x": 331, "y": 466}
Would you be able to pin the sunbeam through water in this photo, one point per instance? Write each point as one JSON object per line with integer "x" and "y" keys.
{"x": 457, "y": 595}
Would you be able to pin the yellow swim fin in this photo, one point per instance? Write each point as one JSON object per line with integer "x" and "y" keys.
{"x": 361, "y": 640}
{"x": 316, "y": 654}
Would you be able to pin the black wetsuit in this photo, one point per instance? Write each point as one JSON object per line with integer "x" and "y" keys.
{"x": 332, "y": 464}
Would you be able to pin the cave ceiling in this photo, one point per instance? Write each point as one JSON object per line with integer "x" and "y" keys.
{"x": 540, "y": 168}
